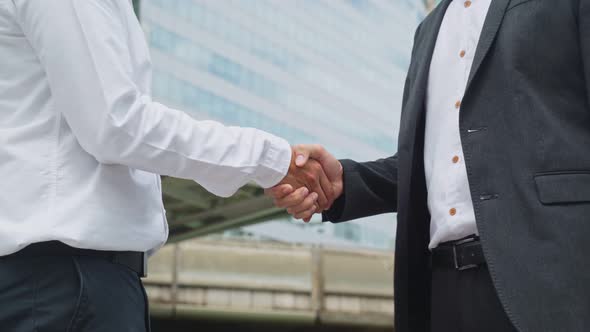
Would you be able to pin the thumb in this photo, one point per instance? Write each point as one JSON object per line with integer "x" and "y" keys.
{"x": 301, "y": 156}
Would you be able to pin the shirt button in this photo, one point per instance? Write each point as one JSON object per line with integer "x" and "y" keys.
{"x": 455, "y": 159}
{"x": 453, "y": 212}
{"x": 462, "y": 53}
{"x": 458, "y": 104}
{"x": 467, "y": 4}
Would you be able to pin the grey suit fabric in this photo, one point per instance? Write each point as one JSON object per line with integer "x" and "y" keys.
{"x": 525, "y": 132}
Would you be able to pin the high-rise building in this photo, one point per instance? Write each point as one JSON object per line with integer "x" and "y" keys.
{"x": 311, "y": 71}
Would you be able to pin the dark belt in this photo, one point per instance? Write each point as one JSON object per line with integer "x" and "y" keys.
{"x": 136, "y": 261}
{"x": 460, "y": 255}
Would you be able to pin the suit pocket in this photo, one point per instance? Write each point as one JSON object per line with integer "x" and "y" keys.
{"x": 563, "y": 187}
{"x": 515, "y": 3}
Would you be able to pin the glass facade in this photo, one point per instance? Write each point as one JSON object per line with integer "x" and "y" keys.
{"x": 311, "y": 71}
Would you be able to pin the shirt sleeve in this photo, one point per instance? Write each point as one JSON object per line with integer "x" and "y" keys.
{"x": 82, "y": 46}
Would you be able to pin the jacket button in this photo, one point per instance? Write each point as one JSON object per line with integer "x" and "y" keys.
{"x": 453, "y": 212}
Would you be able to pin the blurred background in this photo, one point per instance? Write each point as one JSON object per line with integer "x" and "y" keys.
{"x": 311, "y": 71}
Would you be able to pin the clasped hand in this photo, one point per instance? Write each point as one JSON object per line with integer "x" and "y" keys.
{"x": 313, "y": 183}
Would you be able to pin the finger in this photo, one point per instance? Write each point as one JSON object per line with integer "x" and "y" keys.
{"x": 307, "y": 204}
{"x": 301, "y": 155}
{"x": 280, "y": 191}
{"x": 319, "y": 209}
{"x": 308, "y": 219}
{"x": 293, "y": 199}
{"x": 327, "y": 188}
{"x": 306, "y": 151}
{"x": 317, "y": 188}
{"x": 307, "y": 214}
{"x": 331, "y": 165}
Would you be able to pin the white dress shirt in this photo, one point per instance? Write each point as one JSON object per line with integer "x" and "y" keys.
{"x": 449, "y": 198}
{"x": 81, "y": 140}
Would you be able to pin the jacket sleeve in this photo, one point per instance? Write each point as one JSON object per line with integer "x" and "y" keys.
{"x": 370, "y": 188}
{"x": 82, "y": 46}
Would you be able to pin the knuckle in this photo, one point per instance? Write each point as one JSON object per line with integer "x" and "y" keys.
{"x": 298, "y": 198}
{"x": 288, "y": 202}
{"x": 314, "y": 177}
{"x": 316, "y": 168}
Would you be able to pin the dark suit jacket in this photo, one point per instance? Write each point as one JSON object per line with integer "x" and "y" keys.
{"x": 525, "y": 132}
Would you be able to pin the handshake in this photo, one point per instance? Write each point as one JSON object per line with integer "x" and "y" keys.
{"x": 313, "y": 182}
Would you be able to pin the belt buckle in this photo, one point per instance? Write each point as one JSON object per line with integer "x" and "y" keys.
{"x": 456, "y": 261}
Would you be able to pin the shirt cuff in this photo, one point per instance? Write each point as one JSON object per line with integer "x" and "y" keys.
{"x": 275, "y": 164}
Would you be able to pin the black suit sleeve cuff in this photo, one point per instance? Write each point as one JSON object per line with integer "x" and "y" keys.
{"x": 334, "y": 214}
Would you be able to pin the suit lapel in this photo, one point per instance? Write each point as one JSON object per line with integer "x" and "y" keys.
{"x": 488, "y": 34}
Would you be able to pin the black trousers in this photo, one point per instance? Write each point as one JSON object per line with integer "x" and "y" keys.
{"x": 466, "y": 301}
{"x": 70, "y": 293}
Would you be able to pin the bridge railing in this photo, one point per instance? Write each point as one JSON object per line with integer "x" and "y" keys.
{"x": 272, "y": 282}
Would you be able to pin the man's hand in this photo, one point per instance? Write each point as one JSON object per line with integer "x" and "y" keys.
{"x": 307, "y": 178}
{"x": 304, "y": 202}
